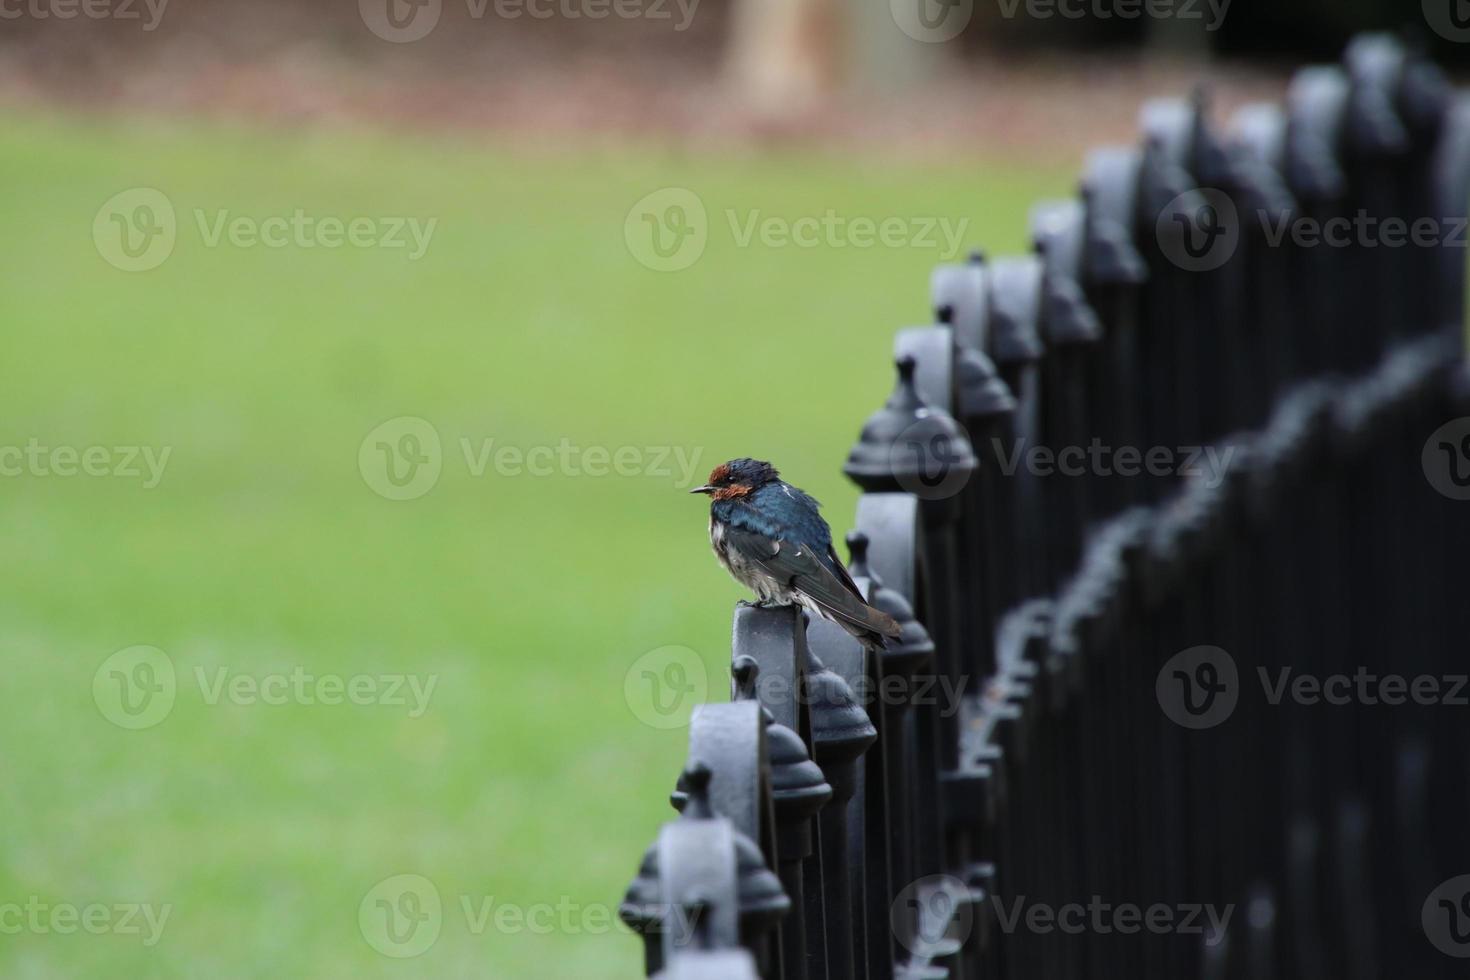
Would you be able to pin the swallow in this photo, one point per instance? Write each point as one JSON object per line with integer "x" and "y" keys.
{"x": 771, "y": 538}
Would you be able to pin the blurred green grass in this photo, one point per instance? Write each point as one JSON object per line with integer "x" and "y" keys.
{"x": 263, "y": 549}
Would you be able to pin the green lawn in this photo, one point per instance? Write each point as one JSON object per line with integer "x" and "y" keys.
{"x": 262, "y": 550}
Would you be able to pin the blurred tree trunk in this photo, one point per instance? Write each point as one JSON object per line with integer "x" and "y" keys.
{"x": 783, "y": 54}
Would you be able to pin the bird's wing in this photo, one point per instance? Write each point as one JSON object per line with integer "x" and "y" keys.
{"x": 798, "y": 567}
{"x": 840, "y": 571}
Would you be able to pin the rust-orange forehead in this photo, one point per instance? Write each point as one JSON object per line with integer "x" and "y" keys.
{"x": 719, "y": 473}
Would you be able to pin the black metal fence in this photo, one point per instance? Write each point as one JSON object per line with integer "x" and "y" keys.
{"x": 1175, "y": 514}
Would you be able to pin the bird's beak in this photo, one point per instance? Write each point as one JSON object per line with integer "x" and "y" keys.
{"x": 704, "y": 489}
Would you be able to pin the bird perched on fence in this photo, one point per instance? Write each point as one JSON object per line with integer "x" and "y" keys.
{"x": 772, "y": 539}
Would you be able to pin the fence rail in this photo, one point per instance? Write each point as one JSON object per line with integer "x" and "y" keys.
{"x": 1173, "y": 512}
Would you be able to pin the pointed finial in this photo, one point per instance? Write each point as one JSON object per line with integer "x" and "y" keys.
{"x": 696, "y": 787}
{"x": 745, "y": 669}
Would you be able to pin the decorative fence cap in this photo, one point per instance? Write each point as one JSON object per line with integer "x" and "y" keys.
{"x": 1315, "y": 103}
{"x": 981, "y": 392}
{"x": 904, "y": 440}
{"x": 1015, "y": 310}
{"x": 797, "y": 783}
{"x": 1109, "y": 193}
{"x": 1375, "y": 64}
{"x": 841, "y": 730}
{"x": 648, "y": 909}
{"x": 1058, "y": 234}
{"x": 957, "y": 293}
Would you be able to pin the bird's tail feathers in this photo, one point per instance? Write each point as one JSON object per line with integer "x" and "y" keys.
{"x": 872, "y": 626}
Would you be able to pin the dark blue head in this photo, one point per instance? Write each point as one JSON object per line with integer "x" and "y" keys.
{"x": 738, "y": 478}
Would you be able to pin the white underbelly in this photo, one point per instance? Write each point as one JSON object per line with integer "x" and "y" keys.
{"x": 765, "y": 586}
